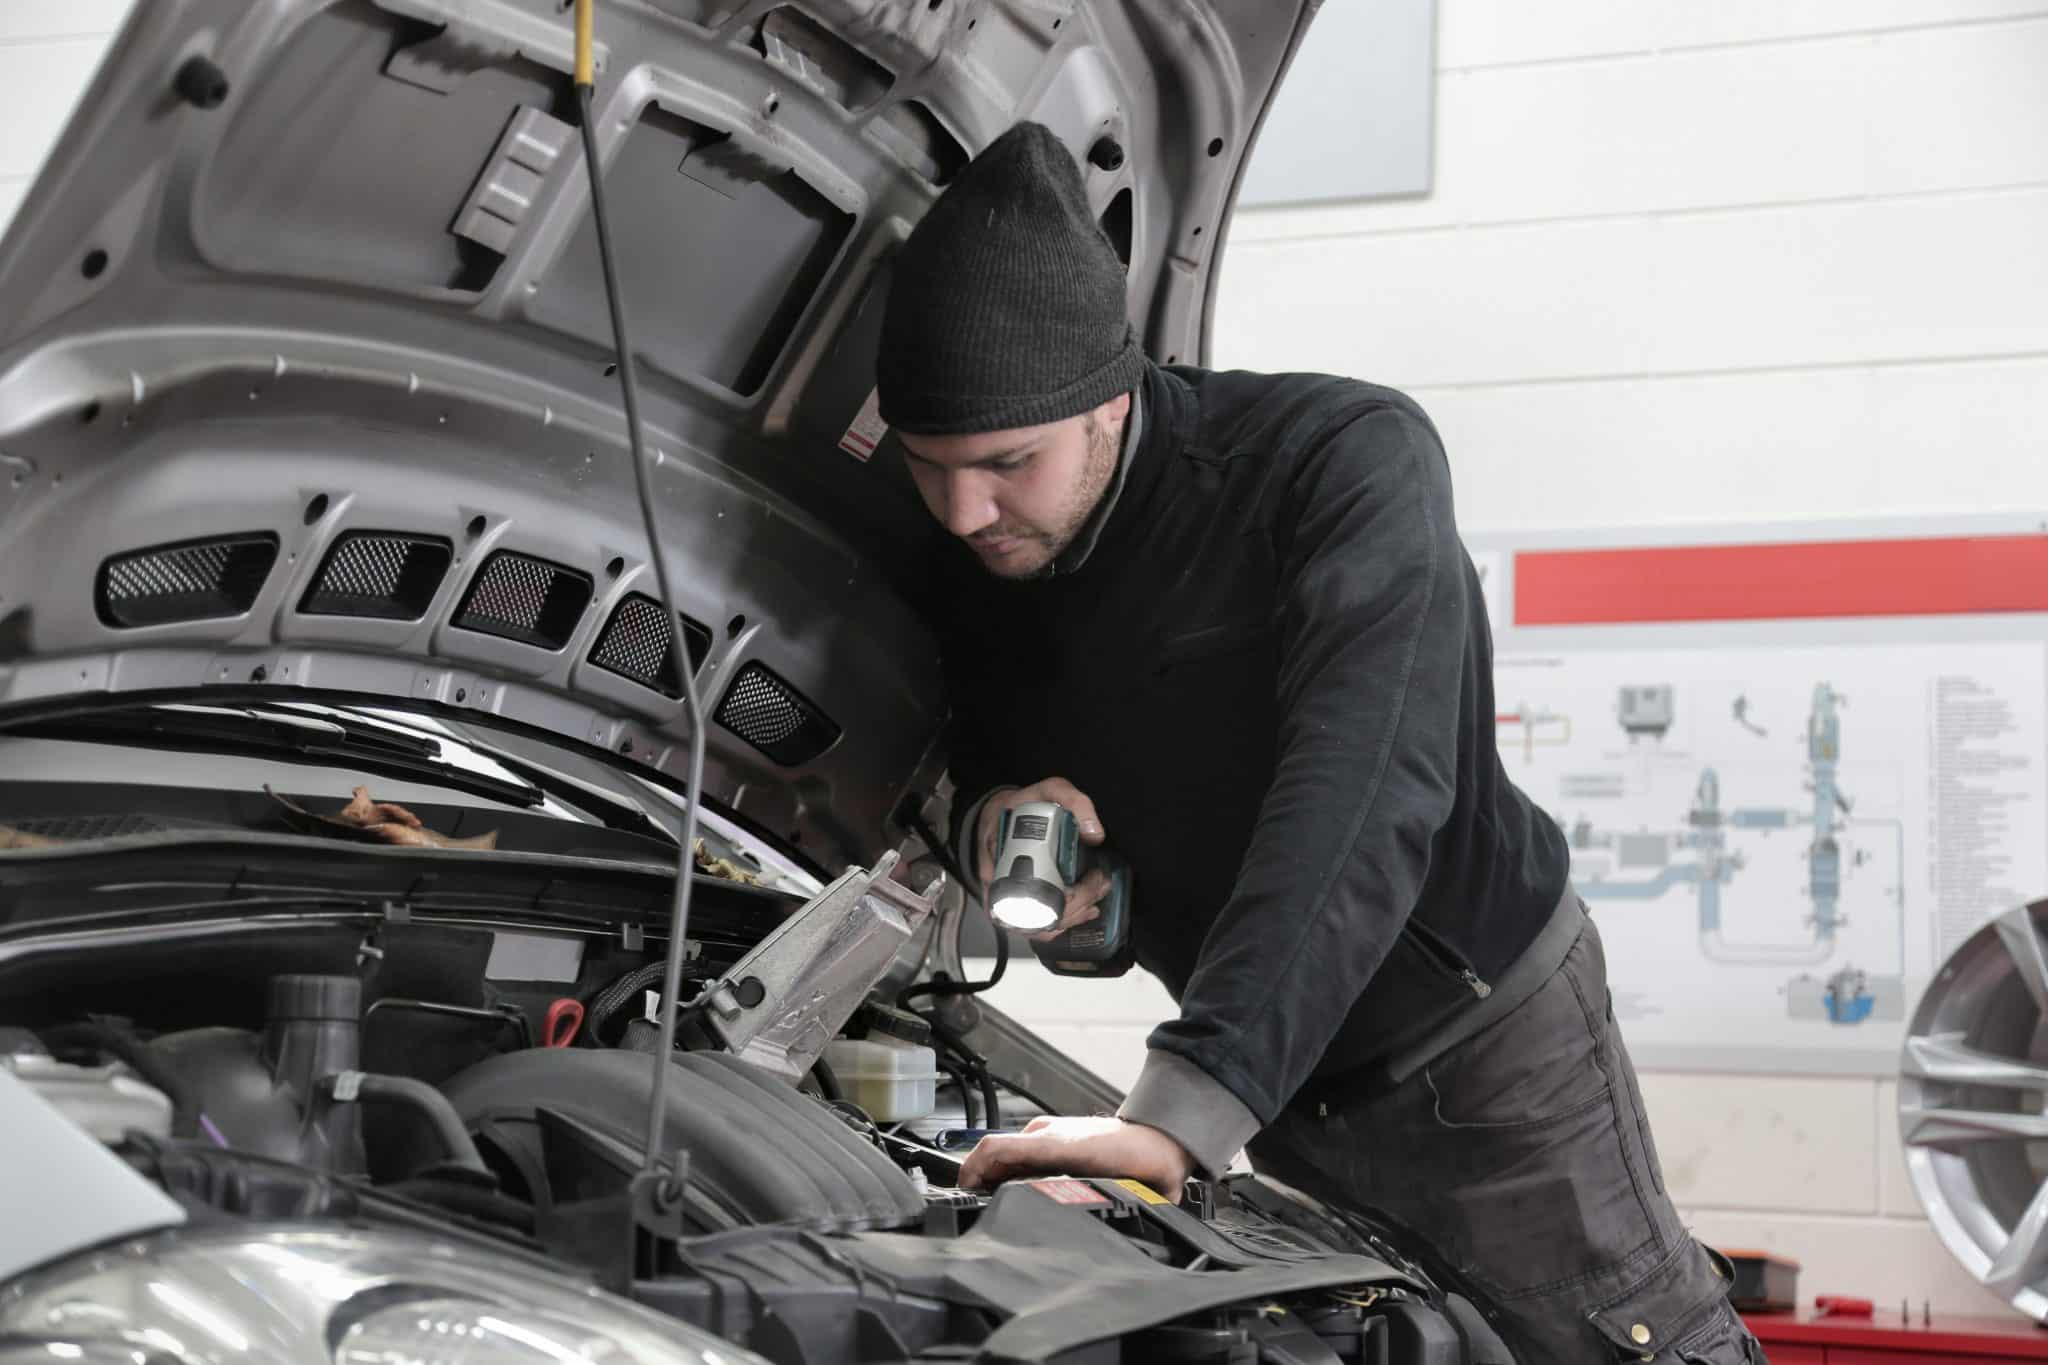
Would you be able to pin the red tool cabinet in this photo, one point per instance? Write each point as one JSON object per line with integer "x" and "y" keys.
{"x": 1805, "y": 1339}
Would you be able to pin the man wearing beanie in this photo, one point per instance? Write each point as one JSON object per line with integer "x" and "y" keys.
{"x": 1226, "y": 620}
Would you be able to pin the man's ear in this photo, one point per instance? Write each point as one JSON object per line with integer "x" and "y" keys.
{"x": 1109, "y": 416}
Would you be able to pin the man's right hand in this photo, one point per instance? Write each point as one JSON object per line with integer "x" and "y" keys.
{"x": 1083, "y": 898}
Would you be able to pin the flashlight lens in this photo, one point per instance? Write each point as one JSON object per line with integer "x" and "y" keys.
{"x": 1024, "y": 914}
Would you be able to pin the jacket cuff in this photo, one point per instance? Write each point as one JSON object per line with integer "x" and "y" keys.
{"x": 1193, "y": 1108}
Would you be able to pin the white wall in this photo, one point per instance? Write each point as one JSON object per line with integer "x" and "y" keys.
{"x": 47, "y": 54}
{"x": 1695, "y": 260}
{"x": 1686, "y": 261}
{"x": 1692, "y": 261}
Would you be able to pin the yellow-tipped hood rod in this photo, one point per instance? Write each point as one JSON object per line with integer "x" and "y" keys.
{"x": 586, "y": 58}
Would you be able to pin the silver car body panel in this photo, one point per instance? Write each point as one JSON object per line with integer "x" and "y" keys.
{"x": 360, "y": 295}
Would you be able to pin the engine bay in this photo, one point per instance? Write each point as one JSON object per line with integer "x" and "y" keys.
{"x": 416, "y": 1068}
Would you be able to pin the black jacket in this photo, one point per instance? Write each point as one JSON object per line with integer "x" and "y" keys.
{"x": 1273, "y": 675}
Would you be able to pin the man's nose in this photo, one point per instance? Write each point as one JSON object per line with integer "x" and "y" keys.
{"x": 969, "y": 508}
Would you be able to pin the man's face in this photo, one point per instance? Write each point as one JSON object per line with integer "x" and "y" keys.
{"x": 1020, "y": 497}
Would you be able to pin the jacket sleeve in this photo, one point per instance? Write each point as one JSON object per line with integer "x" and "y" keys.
{"x": 1372, "y": 621}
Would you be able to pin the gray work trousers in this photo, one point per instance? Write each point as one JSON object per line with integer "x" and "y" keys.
{"x": 1523, "y": 1158}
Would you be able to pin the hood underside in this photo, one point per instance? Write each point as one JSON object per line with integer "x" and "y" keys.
{"x": 306, "y": 376}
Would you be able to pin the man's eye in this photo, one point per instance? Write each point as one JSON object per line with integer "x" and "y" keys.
{"x": 1011, "y": 465}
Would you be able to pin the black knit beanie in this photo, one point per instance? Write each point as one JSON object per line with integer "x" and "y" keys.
{"x": 1007, "y": 305}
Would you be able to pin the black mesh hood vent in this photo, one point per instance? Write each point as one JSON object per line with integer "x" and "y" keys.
{"x": 775, "y": 718}
{"x": 194, "y": 580}
{"x": 522, "y": 598}
{"x": 638, "y": 644}
{"x": 386, "y": 575}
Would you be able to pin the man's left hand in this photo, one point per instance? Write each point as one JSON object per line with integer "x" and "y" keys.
{"x": 1075, "y": 1146}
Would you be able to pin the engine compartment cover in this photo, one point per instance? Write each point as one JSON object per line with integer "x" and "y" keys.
{"x": 759, "y": 1151}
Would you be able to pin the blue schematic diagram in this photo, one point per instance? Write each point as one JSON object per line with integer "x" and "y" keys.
{"x": 1705, "y": 854}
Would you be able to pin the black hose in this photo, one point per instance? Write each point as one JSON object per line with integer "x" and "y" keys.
{"x": 958, "y": 1077}
{"x": 857, "y": 1117}
{"x": 972, "y": 1064}
{"x": 945, "y": 985}
{"x": 828, "y": 1083}
{"x": 1022, "y": 1093}
{"x": 988, "y": 1095}
{"x": 922, "y": 828}
{"x": 621, "y": 992}
{"x": 912, "y": 815}
{"x": 417, "y": 1096}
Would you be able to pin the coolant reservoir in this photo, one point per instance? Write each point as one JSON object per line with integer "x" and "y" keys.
{"x": 891, "y": 1079}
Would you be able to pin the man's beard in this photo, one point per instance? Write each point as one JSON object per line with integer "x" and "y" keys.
{"x": 1039, "y": 547}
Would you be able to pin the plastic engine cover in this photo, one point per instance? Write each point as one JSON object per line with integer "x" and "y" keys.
{"x": 759, "y": 1151}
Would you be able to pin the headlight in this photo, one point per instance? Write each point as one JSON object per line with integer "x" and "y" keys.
{"x": 316, "y": 1296}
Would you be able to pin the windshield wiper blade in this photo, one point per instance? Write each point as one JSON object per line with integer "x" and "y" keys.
{"x": 292, "y": 722}
{"x": 613, "y": 811}
{"x": 312, "y": 739}
{"x": 378, "y": 737}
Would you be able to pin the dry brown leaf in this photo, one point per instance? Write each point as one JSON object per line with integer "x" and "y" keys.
{"x": 416, "y": 836}
{"x": 724, "y": 867}
{"x": 380, "y": 822}
{"x": 363, "y": 811}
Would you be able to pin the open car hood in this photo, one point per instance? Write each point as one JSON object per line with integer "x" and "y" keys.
{"x": 306, "y": 377}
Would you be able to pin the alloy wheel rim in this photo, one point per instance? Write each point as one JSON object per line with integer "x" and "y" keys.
{"x": 1973, "y": 1105}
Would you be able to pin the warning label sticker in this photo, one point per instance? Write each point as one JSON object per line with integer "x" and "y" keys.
{"x": 1144, "y": 1191}
{"x": 867, "y": 429}
{"x": 1071, "y": 1192}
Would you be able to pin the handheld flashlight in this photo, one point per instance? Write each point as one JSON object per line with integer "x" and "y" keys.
{"x": 1039, "y": 855}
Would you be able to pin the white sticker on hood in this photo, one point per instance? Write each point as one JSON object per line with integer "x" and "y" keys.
{"x": 867, "y": 430}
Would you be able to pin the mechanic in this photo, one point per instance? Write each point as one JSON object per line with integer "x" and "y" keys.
{"x": 1226, "y": 620}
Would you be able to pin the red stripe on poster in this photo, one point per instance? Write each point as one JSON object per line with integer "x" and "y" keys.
{"x": 1948, "y": 576}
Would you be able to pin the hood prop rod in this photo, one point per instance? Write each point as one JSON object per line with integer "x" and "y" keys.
{"x": 657, "y": 1199}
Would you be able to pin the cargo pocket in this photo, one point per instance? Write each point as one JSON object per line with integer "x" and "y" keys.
{"x": 1538, "y": 1195}
{"x": 1723, "y": 1340}
{"x": 1678, "y": 1312}
{"x": 1537, "y": 1065}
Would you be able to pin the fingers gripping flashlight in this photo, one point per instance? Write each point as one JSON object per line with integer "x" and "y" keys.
{"x": 1039, "y": 855}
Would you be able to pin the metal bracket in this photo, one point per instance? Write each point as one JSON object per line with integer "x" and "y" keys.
{"x": 783, "y": 1001}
